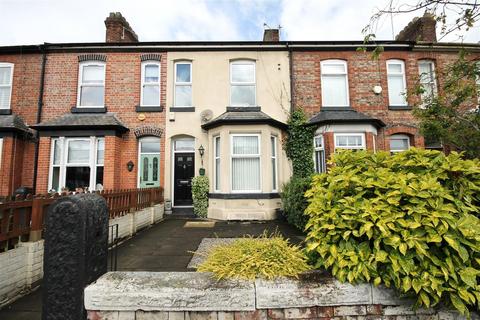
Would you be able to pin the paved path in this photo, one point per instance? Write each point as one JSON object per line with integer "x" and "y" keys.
{"x": 166, "y": 246}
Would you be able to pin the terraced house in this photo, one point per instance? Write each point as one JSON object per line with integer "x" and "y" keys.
{"x": 126, "y": 114}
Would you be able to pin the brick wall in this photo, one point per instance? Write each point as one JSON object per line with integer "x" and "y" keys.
{"x": 122, "y": 95}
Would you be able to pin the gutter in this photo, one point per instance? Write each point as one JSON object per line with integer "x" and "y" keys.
{"x": 39, "y": 116}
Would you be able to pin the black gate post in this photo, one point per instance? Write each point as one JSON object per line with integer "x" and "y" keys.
{"x": 76, "y": 254}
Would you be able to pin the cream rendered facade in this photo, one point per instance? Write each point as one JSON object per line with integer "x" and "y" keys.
{"x": 210, "y": 83}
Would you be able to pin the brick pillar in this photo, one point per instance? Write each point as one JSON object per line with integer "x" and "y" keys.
{"x": 112, "y": 163}
{"x": 369, "y": 142}
{"x": 43, "y": 165}
{"x": 6, "y": 168}
{"x": 328, "y": 140}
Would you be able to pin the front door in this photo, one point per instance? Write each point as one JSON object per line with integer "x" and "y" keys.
{"x": 183, "y": 172}
{"x": 149, "y": 170}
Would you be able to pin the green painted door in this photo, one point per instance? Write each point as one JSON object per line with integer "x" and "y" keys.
{"x": 149, "y": 170}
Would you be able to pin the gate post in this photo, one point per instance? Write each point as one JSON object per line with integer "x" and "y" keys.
{"x": 76, "y": 253}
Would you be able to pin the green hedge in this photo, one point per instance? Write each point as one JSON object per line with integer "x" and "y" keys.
{"x": 294, "y": 202}
{"x": 200, "y": 188}
{"x": 407, "y": 220}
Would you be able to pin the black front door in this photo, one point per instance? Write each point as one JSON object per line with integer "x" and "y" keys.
{"x": 183, "y": 174}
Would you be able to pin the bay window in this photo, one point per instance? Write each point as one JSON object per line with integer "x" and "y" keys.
{"x": 242, "y": 84}
{"x": 150, "y": 90}
{"x": 352, "y": 141}
{"x": 183, "y": 84}
{"x": 216, "y": 186}
{"x": 319, "y": 157}
{"x": 426, "y": 70}
{"x": 6, "y": 79}
{"x": 77, "y": 163}
{"x": 273, "y": 141}
{"x": 399, "y": 143}
{"x": 91, "y": 84}
{"x": 334, "y": 83}
{"x": 245, "y": 155}
{"x": 396, "y": 83}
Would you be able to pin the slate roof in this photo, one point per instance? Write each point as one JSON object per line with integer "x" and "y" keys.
{"x": 243, "y": 117}
{"x": 83, "y": 121}
{"x": 13, "y": 122}
{"x": 348, "y": 115}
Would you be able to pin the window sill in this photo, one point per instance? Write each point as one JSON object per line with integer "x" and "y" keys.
{"x": 256, "y": 195}
{"x": 149, "y": 108}
{"x": 335, "y": 108}
{"x": 244, "y": 109}
{"x": 182, "y": 109}
{"x": 77, "y": 109}
{"x": 399, "y": 108}
{"x": 5, "y": 112}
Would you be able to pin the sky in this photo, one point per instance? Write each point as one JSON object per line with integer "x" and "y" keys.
{"x": 25, "y": 22}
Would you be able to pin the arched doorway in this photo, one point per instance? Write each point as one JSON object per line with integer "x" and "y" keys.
{"x": 149, "y": 162}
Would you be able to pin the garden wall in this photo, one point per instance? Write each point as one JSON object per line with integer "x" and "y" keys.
{"x": 21, "y": 269}
{"x": 191, "y": 295}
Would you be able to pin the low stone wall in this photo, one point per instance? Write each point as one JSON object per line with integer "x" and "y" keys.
{"x": 21, "y": 269}
{"x": 191, "y": 295}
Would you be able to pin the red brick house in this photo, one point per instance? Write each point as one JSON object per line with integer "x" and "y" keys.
{"x": 127, "y": 114}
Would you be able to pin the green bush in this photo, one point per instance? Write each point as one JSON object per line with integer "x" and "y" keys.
{"x": 248, "y": 258}
{"x": 200, "y": 188}
{"x": 294, "y": 202}
{"x": 407, "y": 220}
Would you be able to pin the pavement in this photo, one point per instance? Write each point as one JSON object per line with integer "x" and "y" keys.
{"x": 166, "y": 246}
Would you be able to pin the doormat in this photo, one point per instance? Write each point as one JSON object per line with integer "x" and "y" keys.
{"x": 199, "y": 224}
{"x": 204, "y": 248}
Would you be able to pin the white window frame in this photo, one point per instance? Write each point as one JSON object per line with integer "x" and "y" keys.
{"x": 10, "y": 85}
{"x": 433, "y": 79}
{"x": 247, "y": 84}
{"x": 319, "y": 149}
{"x": 398, "y": 136}
{"x": 217, "y": 166}
{"x": 81, "y": 66}
{"x": 182, "y": 84}
{"x": 324, "y": 75}
{"x": 259, "y": 156}
{"x": 362, "y": 135}
{"x": 477, "y": 83}
{"x": 274, "y": 162}
{"x": 64, "y": 164}
{"x": 404, "y": 81}
{"x": 150, "y": 84}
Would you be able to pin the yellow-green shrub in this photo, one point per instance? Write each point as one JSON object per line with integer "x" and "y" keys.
{"x": 407, "y": 220}
{"x": 248, "y": 258}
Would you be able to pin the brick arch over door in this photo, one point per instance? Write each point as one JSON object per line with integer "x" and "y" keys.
{"x": 148, "y": 131}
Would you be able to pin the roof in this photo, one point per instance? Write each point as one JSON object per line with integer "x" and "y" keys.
{"x": 343, "y": 115}
{"x": 13, "y": 123}
{"x": 83, "y": 121}
{"x": 247, "y": 115}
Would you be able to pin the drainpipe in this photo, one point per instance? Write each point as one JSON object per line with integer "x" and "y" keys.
{"x": 290, "y": 67}
{"x": 39, "y": 116}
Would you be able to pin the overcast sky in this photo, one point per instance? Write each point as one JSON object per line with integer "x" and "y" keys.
{"x": 54, "y": 21}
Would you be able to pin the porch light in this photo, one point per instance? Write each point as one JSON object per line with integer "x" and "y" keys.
{"x": 130, "y": 166}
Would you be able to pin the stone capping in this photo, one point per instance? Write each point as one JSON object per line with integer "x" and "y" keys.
{"x": 92, "y": 57}
{"x": 150, "y": 57}
{"x": 195, "y": 291}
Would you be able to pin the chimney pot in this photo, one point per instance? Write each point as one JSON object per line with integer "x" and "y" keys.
{"x": 420, "y": 29}
{"x": 118, "y": 29}
{"x": 271, "y": 35}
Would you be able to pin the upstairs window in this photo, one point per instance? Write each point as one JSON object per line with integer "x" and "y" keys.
{"x": 183, "y": 84}
{"x": 242, "y": 84}
{"x": 245, "y": 154}
{"x": 352, "y": 141}
{"x": 319, "y": 156}
{"x": 426, "y": 71}
{"x": 399, "y": 143}
{"x": 334, "y": 83}
{"x": 396, "y": 83}
{"x": 91, "y": 84}
{"x": 6, "y": 79}
{"x": 150, "y": 95}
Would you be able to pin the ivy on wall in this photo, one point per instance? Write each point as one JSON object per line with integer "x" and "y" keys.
{"x": 299, "y": 144}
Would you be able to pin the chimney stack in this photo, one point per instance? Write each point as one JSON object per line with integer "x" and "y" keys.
{"x": 421, "y": 29}
{"x": 271, "y": 35}
{"x": 118, "y": 29}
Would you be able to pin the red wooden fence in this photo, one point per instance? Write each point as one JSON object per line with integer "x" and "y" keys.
{"x": 22, "y": 217}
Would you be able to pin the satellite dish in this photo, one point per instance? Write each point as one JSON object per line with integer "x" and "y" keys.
{"x": 206, "y": 115}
